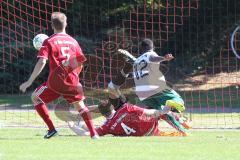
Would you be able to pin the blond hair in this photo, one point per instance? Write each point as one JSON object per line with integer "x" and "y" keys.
{"x": 59, "y": 21}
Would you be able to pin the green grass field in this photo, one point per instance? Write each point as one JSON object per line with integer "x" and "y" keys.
{"x": 28, "y": 143}
{"x": 22, "y": 144}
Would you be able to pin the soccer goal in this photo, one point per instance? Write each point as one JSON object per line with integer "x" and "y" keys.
{"x": 205, "y": 71}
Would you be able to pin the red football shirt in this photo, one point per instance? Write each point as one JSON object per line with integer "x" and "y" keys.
{"x": 65, "y": 58}
{"x": 129, "y": 120}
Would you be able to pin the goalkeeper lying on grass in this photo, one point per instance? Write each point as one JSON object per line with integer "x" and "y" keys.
{"x": 125, "y": 119}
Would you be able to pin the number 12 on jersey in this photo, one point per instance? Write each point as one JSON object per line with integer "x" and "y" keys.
{"x": 139, "y": 73}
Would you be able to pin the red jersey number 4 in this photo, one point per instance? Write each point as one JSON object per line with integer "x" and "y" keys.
{"x": 127, "y": 129}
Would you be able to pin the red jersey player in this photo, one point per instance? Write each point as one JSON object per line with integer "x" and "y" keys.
{"x": 65, "y": 62}
{"x": 127, "y": 120}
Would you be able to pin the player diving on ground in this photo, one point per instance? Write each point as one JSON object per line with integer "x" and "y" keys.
{"x": 126, "y": 119}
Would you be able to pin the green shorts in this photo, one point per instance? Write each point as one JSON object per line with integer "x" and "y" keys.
{"x": 158, "y": 100}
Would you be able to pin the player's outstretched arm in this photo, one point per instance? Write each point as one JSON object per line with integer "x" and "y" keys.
{"x": 82, "y": 130}
{"x": 128, "y": 55}
{"x": 79, "y": 130}
{"x": 37, "y": 70}
{"x": 156, "y": 113}
{"x": 167, "y": 57}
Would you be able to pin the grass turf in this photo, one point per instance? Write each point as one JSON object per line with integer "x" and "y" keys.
{"x": 26, "y": 143}
{"x": 31, "y": 119}
{"x": 22, "y": 144}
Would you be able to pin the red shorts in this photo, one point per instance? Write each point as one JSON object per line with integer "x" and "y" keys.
{"x": 43, "y": 94}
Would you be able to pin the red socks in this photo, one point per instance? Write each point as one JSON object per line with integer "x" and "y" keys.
{"x": 88, "y": 120}
{"x": 43, "y": 112}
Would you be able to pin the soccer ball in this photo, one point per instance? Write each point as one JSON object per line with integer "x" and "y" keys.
{"x": 38, "y": 41}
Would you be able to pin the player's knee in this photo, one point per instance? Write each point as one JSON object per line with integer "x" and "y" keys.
{"x": 79, "y": 105}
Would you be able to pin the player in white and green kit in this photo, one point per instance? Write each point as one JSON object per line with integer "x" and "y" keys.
{"x": 150, "y": 83}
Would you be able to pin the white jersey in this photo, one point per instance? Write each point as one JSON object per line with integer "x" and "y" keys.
{"x": 148, "y": 78}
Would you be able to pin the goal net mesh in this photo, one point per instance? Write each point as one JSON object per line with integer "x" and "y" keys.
{"x": 204, "y": 72}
